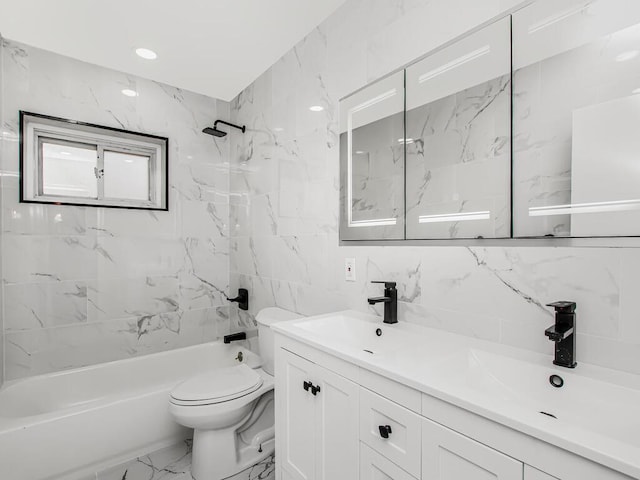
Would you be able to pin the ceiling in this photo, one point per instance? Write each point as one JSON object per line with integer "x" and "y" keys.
{"x": 213, "y": 47}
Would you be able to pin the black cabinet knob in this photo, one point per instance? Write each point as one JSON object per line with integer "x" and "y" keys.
{"x": 315, "y": 389}
{"x": 385, "y": 430}
{"x": 307, "y": 385}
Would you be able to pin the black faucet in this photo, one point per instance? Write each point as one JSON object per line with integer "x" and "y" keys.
{"x": 234, "y": 337}
{"x": 563, "y": 333}
{"x": 390, "y": 301}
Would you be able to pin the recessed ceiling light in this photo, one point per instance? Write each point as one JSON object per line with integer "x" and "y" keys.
{"x": 316, "y": 108}
{"x": 146, "y": 53}
{"x": 359, "y": 152}
{"x": 278, "y": 129}
{"x": 129, "y": 93}
{"x": 624, "y": 56}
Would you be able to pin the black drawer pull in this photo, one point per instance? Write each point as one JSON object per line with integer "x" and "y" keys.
{"x": 307, "y": 385}
{"x": 385, "y": 430}
{"x": 315, "y": 390}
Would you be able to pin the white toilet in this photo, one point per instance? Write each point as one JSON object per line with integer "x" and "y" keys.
{"x": 231, "y": 410}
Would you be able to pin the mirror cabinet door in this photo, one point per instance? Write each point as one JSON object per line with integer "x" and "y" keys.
{"x": 458, "y": 138}
{"x": 576, "y": 118}
{"x": 372, "y": 162}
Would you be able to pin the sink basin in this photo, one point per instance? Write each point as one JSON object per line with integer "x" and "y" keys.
{"x": 357, "y": 334}
{"x": 586, "y": 403}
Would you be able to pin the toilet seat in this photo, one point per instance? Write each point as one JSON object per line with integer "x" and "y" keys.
{"x": 218, "y": 386}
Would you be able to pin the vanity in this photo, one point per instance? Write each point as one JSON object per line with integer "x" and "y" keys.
{"x": 360, "y": 399}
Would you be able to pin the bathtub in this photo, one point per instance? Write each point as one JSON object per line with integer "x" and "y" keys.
{"x": 71, "y": 424}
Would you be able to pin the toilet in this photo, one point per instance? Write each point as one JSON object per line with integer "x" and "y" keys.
{"x": 231, "y": 409}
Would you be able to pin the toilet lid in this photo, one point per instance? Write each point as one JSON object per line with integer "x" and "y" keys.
{"x": 219, "y": 385}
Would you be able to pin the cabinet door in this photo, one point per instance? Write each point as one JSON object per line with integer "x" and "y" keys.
{"x": 447, "y": 455}
{"x": 458, "y": 145}
{"x": 295, "y": 417}
{"x": 372, "y": 161}
{"x": 576, "y": 110}
{"x": 337, "y": 427}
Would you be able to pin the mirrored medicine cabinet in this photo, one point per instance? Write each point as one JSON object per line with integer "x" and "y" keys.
{"x": 524, "y": 128}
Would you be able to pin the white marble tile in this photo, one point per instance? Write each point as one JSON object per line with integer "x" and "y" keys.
{"x": 504, "y": 283}
{"x": 204, "y": 219}
{"x": 137, "y": 257}
{"x": 113, "y": 298}
{"x": 301, "y": 259}
{"x": 29, "y": 306}
{"x": 32, "y": 219}
{"x": 171, "y": 463}
{"x": 28, "y": 259}
{"x": 116, "y": 222}
{"x": 264, "y": 470}
{"x": 130, "y": 274}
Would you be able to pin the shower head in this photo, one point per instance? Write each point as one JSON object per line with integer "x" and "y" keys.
{"x": 214, "y": 131}
{"x": 219, "y": 133}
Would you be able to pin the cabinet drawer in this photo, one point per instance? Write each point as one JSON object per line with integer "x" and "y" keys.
{"x": 447, "y": 455}
{"x": 374, "y": 466}
{"x": 380, "y": 418}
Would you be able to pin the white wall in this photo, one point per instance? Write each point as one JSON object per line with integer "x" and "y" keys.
{"x": 88, "y": 285}
{"x": 284, "y": 205}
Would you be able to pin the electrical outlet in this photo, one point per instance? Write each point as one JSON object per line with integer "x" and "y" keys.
{"x": 350, "y": 269}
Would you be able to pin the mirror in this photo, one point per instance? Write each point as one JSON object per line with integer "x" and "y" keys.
{"x": 524, "y": 128}
{"x": 372, "y": 162}
{"x": 458, "y": 138}
{"x": 576, "y": 116}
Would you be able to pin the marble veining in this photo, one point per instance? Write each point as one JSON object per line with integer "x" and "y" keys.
{"x": 494, "y": 293}
{"x": 174, "y": 463}
{"x": 87, "y": 285}
{"x": 454, "y": 141}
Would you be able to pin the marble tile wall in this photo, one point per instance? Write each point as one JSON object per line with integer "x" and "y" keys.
{"x": 284, "y": 205}
{"x": 88, "y": 285}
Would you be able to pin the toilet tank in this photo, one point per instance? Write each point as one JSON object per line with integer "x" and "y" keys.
{"x": 265, "y": 318}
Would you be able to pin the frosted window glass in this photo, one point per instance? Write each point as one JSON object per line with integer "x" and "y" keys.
{"x": 69, "y": 171}
{"x": 126, "y": 176}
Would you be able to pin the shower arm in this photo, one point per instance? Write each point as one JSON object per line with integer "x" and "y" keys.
{"x": 215, "y": 125}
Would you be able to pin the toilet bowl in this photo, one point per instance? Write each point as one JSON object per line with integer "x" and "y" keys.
{"x": 231, "y": 410}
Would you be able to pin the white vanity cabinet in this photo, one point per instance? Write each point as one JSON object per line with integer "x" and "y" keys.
{"x": 316, "y": 421}
{"x": 364, "y": 425}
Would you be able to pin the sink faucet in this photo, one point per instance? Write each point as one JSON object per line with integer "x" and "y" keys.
{"x": 563, "y": 333}
{"x": 390, "y": 301}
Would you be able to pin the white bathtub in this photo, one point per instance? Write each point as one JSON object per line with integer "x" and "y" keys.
{"x": 70, "y": 424}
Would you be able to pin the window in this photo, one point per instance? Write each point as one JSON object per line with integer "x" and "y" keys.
{"x": 68, "y": 162}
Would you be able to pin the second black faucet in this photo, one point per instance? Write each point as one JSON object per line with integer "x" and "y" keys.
{"x": 390, "y": 301}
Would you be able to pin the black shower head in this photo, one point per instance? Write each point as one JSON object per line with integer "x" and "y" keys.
{"x": 219, "y": 133}
{"x": 214, "y": 131}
